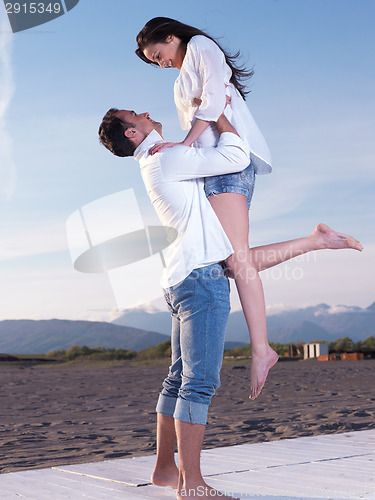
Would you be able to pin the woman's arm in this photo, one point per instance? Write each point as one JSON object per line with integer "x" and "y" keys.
{"x": 196, "y": 130}
{"x": 199, "y": 126}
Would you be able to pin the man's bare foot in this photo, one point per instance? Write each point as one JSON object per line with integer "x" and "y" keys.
{"x": 201, "y": 491}
{"x": 328, "y": 238}
{"x": 165, "y": 476}
{"x": 261, "y": 363}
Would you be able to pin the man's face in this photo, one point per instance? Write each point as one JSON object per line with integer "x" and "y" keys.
{"x": 142, "y": 122}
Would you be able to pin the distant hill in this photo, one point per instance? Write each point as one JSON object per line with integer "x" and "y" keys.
{"x": 334, "y": 322}
{"x": 137, "y": 318}
{"x": 139, "y": 329}
{"x": 321, "y": 322}
{"x": 39, "y": 337}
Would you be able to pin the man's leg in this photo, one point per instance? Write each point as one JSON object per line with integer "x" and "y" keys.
{"x": 190, "y": 440}
{"x": 191, "y": 484}
{"x": 165, "y": 472}
{"x": 203, "y": 311}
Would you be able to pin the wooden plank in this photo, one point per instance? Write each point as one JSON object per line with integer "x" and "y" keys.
{"x": 302, "y": 468}
{"x": 281, "y": 486}
{"x": 274, "y": 457}
{"x": 32, "y": 485}
{"x": 305, "y": 480}
{"x": 261, "y": 483}
{"x": 325, "y": 475}
{"x": 334, "y": 446}
{"x": 124, "y": 473}
{"x": 268, "y": 482}
{"x": 48, "y": 484}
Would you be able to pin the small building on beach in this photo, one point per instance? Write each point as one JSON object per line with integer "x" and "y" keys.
{"x": 314, "y": 350}
{"x": 352, "y": 356}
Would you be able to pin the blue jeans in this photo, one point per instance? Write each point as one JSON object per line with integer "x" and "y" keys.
{"x": 240, "y": 182}
{"x": 200, "y": 308}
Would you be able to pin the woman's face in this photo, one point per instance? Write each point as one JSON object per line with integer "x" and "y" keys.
{"x": 168, "y": 54}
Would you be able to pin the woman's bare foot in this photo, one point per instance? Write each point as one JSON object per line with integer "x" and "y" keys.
{"x": 328, "y": 238}
{"x": 165, "y": 476}
{"x": 201, "y": 491}
{"x": 261, "y": 363}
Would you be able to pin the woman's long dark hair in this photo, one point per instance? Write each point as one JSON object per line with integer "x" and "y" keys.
{"x": 159, "y": 28}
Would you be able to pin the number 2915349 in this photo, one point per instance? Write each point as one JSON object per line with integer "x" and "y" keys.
{"x": 32, "y": 8}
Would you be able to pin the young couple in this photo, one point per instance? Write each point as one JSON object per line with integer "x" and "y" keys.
{"x": 204, "y": 192}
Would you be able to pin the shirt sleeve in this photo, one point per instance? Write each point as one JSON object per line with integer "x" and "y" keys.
{"x": 183, "y": 163}
{"x": 210, "y": 66}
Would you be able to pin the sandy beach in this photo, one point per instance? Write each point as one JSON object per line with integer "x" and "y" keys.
{"x": 54, "y": 415}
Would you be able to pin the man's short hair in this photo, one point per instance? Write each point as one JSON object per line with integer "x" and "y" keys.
{"x": 111, "y": 134}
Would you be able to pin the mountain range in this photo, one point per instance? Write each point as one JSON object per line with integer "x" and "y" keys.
{"x": 138, "y": 329}
{"x": 42, "y": 336}
{"x": 320, "y": 322}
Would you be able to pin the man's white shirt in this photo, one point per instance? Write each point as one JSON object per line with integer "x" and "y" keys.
{"x": 174, "y": 182}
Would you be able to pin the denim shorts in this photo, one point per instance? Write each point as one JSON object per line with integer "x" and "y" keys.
{"x": 240, "y": 182}
{"x": 200, "y": 308}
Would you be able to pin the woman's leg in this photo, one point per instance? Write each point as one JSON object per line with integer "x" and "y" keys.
{"x": 323, "y": 237}
{"x": 232, "y": 211}
{"x": 245, "y": 263}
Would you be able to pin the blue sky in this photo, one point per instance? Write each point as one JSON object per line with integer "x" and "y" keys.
{"x": 312, "y": 96}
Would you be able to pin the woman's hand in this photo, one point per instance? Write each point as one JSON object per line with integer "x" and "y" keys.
{"x": 160, "y": 146}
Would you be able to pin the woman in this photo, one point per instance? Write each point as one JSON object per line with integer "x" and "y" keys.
{"x": 208, "y": 76}
{"x": 208, "y": 79}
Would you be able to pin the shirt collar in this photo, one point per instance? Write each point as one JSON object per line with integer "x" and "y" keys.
{"x": 152, "y": 138}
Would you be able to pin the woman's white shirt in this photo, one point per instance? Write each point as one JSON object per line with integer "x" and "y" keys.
{"x": 205, "y": 75}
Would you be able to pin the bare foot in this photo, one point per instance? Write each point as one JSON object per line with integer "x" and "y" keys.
{"x": 261, "y": 363}
{"x": 201, "y": 491}
{"x": 165, "y": 476}
{"x": 328, "y": 238}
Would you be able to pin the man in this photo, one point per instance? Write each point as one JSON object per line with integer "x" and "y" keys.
{"x": 196, "y": 288}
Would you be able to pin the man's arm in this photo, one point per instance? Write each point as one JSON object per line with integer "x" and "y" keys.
{"x": 229, "y": 156}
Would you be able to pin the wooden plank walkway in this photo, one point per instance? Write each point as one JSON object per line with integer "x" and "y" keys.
{"x": 334, "y": 466}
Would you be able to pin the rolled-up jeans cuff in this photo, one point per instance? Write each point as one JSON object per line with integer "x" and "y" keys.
{"x": 189, "y": 411}
{"x": 166, "y": 405}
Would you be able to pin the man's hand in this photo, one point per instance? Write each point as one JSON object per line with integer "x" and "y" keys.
{"x": 160, "y": 146}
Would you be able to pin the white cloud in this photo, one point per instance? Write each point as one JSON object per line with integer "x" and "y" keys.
{"x": 7, "y": 167}
{"x": 334, "y": 277}
{"x": 280, "y": 193}
{"x": 337, "y": 310}
{"x": 281, "y": 307}
{"x": 158, "y": 305}
{"x": 53, "y": 292}
{"x": 23, "y": 240}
